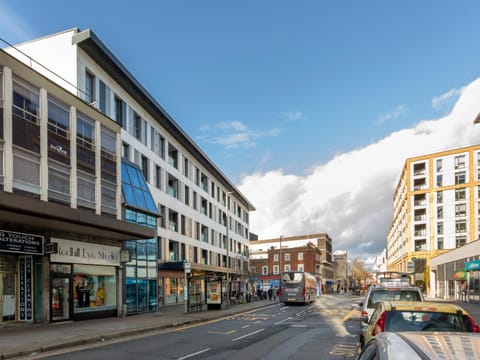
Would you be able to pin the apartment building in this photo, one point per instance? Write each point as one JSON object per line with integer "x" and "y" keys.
{"x": 311, "y": 253}
{"x": 435, "y": 209}
{"x": 61, "y": 227}
{"x": 204, "y": 219}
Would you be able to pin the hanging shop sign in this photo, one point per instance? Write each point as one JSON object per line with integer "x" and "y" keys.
{"x": 25, "y": 301}
{"x": 472, "y": 265}
{"x": 78, "y": 252}
{"x": 15, "y": 242}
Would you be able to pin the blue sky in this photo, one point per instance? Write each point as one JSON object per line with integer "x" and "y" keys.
{"x": 278, "y": 91}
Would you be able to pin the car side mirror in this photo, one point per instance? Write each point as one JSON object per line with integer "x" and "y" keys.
{"x": 360, "y": 304}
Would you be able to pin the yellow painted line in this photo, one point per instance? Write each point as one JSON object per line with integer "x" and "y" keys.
{"x": 349, "y": 315}
{"x": 223, "y": 332}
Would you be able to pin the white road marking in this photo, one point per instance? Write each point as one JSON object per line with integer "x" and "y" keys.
{"x": 250, "y": 334}
{"x": 281, "y": 321}
{"x": 194, "y": 354}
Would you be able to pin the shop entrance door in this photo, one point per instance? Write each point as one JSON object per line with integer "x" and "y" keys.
{"x": 60, "y": 298}
{"x": 7, "y": 288}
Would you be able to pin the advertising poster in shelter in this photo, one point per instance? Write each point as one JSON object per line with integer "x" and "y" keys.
{"x": 214, "y": 292}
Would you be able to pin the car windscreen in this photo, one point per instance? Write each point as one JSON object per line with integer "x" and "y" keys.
{"x": 392, "y": 295}
{"x": 425, "y": 321}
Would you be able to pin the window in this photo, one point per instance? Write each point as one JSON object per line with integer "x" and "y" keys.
{"x": 460, "y": 194}
{"x": 275, "y": 270}
{"x": 460, "y": 210}
{"x": 172, "y": 156}
{"x": 460, "y": 177}
{"x": 439, "y": 165}
{"x": 94, "y": 287}
{"x": 58, "y": 151}
{"x": 300, "y": 267}
{"x": 137, "y": 126}
{"x": 120, "y": 111}
{"x": 187, "y": 195}
{"x": 460, "y": 241}
{"x": 125, "y": 151}
{"x": 459, "y": 162}
{"x": 158, "y": 177}
{"x": 439, "y": 180}
{"x": 172, "y": 188}
{"x": 287, "y": 267}
{"x": 287, "y": 257}
{"x": 185, "y": 167}
{"x": 460, "y": 226}
{"x": 102, "y": 94}
{"x": 440, "y": 212}
{"x": 264, "y": 270}
{"x": 440, "y": 243}
{"x": 440, "y": 228}
{"x": 439, "y": 197}
{"x": 85, "y": 162}
{"x": 89, "y": 87}
{"x": 109, "y": 171}
{"x": 275, "y": 257}
{"x": 300, "y": 256}
{"x": 145, "y": 171}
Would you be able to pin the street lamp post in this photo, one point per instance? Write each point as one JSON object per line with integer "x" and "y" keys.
{"x": 280, "y": 256}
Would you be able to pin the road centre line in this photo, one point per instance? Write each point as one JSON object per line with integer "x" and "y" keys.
{"x": 281, "y": 321}
{"x": 222, "y": 332}
{"x": 250, "y": 334}
{"x": 194, "y": 354}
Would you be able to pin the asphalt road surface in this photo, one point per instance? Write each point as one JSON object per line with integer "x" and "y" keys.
{"x": 326, "y": 329}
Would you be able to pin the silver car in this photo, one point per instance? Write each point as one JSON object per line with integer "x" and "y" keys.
{"x": 422, "y": 345}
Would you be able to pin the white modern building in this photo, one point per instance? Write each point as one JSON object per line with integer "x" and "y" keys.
{"x": 204, "y": 218}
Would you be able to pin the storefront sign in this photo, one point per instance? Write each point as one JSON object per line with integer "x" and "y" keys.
{"x": 85, "y": 253}
{"x": 25, "y": 300}
{"x": 21, "y": 243}
{"x": 460, "y": 275}
{"x": 472, "y": 265}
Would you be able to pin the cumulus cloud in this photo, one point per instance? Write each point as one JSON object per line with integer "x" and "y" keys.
{"x": 446, "y": 99}
{"x": 234, "y": 134}
{"x": 396, "y": 113}
{"x": 350, "y": 197}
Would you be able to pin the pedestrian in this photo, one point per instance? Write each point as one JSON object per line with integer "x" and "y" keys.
{"x": 275, "y": 294}
{"x": 270, "y": 293}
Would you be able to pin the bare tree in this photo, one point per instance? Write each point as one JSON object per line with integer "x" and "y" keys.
{"x": 358, "y": 270}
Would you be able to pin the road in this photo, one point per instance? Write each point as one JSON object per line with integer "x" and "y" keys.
{"x": 326, "y": 329}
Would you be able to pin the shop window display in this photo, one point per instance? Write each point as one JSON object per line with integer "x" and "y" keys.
{"x": 94, "y": 288}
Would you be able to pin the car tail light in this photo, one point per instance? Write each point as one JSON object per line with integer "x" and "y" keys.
{"x": 380, "y": 325}
{"x": 364, "y": 313}
{"x": 475, "y": 327}
{"x": 303, "y": 293}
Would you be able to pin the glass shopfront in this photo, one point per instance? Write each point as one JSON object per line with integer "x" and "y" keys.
{"x": 84, "y": 281}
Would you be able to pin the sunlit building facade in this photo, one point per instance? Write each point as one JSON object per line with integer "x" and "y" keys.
{"x": 196, "y": 202}
{"x": 435, "y": 209}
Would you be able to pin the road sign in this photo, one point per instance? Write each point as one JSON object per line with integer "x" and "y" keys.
{"x": 187, "y": 266}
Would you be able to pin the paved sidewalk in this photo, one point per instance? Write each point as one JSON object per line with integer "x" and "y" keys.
{"x": 23, "y": 340}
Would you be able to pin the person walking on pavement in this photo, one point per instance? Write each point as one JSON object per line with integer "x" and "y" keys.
{"x": 270, "y": 293}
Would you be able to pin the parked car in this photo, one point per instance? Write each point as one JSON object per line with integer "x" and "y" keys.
{"x": 422, "y": 345}
{"x": 393, "y": 289}
{"x": 397, "y": 316}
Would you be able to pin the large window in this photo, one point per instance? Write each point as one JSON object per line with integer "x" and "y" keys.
{"x": 58, "y": 151}
{"x": 120, "y": 112}
{"x": 26, "y": 136}
{"x": 94, "y": 288}
{"x": 109, "y": 171}
{"x": 85, "y": 162}
{"x": 460, "y": 177}
{"x": 460, "y": 194}
{"x": 460, "y": 162}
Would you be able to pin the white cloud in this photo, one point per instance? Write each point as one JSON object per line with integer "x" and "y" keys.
{"x": 291, "y": 116}
{"x": 234, "y": 134}
{"x": 446, "y": 99}
{"x": 350, "y": 196}
{"x": 399, "y": 111}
